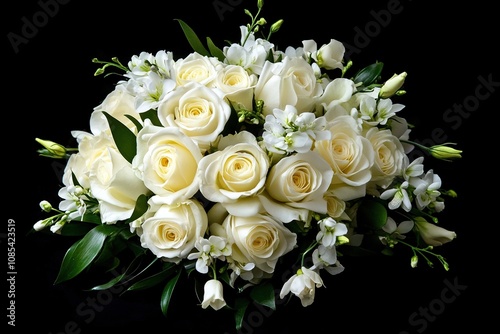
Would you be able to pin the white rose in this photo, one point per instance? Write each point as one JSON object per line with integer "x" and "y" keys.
{"x": 237, "y": 86}
{"x": 259, "y": 239}
{"x": 171, "y": 231}
{"x": 291, "y": 81}
{"x": 337, "y": 93}
{"x": 299, "y": 181}
{"x": 198, "y": 111}
{"x": 238, "y": 170}
{"x": 197, "y": 68}
{"x": 167, "y": 160}
{"x": 119, "y": 103}
{"x": 350, "y": 156}
{"x": 389, "y": 156}
{"x": 111, "y": 178}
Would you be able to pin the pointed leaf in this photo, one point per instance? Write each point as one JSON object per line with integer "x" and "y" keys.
{"x": 152, "y": 280}
{"x": 152, "y": 115}
{"x": 241, "y": 305}
{"x": 193, "y": 39}
{"x": 81, "y": 254}
{"x": 124, "y": 138}
{"x": 369, "y": 74}
{"x": 214, "y": 50}
{"x": 141, "y": 206}
{"x": 167, "y": 293}
{"x": 264, "y": 295}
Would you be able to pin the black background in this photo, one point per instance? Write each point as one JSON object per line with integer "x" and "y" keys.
{"x": 448, "y": 52}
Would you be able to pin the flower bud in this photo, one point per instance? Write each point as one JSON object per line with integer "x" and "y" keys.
{"x": 444, "y": 152}
{"x": 341, "y": 239}
{"x": 40, "y": 225}
{"x": 46, "y": 206}
{"x": 392, "y": 85}
{"x": 52, "y": 149}
{"x": 276, "y": 26}
{"x": 414, "y": 261}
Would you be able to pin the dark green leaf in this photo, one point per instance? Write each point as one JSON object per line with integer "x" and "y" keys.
{"x": 110, "y": 283}
{"x": 134, "y": 120}
{"x": 152, "y": 115}
{"x": 141, "y": 206}
{"x": 369, "y": 74}
{"x": 241, "y": 305}
{"x": 152, "y": 280}
{"x": 214, "y": 50}
{"x": 193, "y": 39}
{"x": 372, "y": 214}
{"x": 124, "y": 138}
{"x": 81, "y": 254}
{"x": 264, "y": 295}
{"x": 167, "y": 293}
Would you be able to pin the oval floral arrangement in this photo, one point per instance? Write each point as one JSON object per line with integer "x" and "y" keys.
{"x": 245, "y": 169}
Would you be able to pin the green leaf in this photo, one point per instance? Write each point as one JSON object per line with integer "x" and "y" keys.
{"x": 152, "y": 280}
{"x": 369, "y": 74}
{"x": 264, "y": 295}
{"x": 124, "y": 138}
{"x": 167, "y": 293}
{"x": 214, "y": 50}
{"x": 109, "y": 284}
{"x": 372, "y": 214}
{"x": 152, "y": 115}
{"x": 241, "y": 305}
{"x": 81, "y": 254}
{"x": 193, "y": 39}
{"x": 141, "y": 206}
{"x": 134, "y": 120}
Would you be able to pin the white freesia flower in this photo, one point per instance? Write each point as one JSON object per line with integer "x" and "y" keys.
{"x": 329, "y": 230}
{"x": 395, "y": 232}
{"x": 400, "y": 197}
{"x": 303, "y": 285}
{"x": 426, "y": 188}
{"x": 432, "y": 234}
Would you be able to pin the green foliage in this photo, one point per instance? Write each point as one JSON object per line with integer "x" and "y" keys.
{"x": 124, "y": 138}
{"x": 81, "y": 254}
{"x": 167, "y": 292}
{"x": 368, "y": 75}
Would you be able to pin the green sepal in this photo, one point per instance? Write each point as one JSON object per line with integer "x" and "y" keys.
{"x": 193, "y": 39}
{"x": 264, "y": 295}
{"x": 368, "y": 75}
{"x": 240, "y": 307}
{"x": 83, "y": 252}
{"x": 167, "y": 293}
{"x": 124, "y": 138}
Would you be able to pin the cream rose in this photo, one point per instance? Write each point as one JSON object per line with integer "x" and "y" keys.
{"x": 291, "y": 81}
{"x": 389, "y": 156}
{"x": 298, "y": 181}
{"x": 197, "y": 68}
{"x": 259, "y": 239}
{"x": 167, "y": 160}
{"x": 119, "y": 103}
{"x": 351, "y": 157}
{"x": 112, "y": 180}
{"x": 237, "y": 85}
{"x": 171, "y": 231}
{"x": 198, "y": 111}
{"x": 236, "y": 171}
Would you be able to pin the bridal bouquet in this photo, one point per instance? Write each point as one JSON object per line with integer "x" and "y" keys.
{"x": 248, "y": 170}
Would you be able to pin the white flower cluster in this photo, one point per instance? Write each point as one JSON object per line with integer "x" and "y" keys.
{"x": 231, "y": 152}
